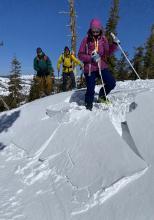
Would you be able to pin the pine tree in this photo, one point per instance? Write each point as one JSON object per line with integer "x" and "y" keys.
{"x": 122, "y": 68}
{"x": 15, "y": 96}
{"x": 34, "y": 90}
{"x": 3, "y": 103}
{"x": 138, "y": 63}
{"x": 113, "y": 20}
{"x": 149, "y": 56}
{"x": 111, "y": 27}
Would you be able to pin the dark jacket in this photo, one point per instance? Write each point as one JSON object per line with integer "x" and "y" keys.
{"x": 43, "y": 66}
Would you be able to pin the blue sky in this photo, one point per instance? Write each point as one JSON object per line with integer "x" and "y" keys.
{"x": 28, "y": 24}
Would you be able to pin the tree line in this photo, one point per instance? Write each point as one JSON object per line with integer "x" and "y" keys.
{"x": 143, "y": 62}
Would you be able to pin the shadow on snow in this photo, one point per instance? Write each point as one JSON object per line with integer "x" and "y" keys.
{"x": 6, "y": 121}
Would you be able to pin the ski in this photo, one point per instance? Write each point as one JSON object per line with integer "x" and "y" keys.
{"x": 102, "y": 106}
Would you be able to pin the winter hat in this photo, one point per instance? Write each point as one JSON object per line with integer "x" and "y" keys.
{"x": 38, "y": 50}
{"x": 66, "y": 49}
{"x": 95, "y": 23}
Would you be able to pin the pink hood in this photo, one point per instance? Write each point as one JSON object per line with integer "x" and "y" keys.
{"x": 95, "y": 23}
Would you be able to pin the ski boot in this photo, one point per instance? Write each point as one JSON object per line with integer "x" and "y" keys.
{"x": 104, "y": 100}
{"x": 89, "y": 106}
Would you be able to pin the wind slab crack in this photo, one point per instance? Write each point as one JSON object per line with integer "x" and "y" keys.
{"x": 104, "y": 194}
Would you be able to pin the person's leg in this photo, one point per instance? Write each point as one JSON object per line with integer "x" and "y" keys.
{"x": 64, "y": 81}
{"x": 90, "y": 83}
{"x": 73, "y": 80}
{"x": 48, "y": 86}
{"x": 43, "y": 93}
{"x": 109, "y": 82}
{"x": 39, "y": 82}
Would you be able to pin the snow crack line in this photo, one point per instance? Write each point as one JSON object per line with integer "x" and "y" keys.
{"x": 105, "y": 193}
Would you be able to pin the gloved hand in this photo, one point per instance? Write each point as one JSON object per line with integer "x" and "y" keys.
{"x": 115, "y": 39}
{"x": 95, "y": 56}
{"x": 52, "y": 75}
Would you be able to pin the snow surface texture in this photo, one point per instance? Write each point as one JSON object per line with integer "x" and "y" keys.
{"x": 59, "y": 161}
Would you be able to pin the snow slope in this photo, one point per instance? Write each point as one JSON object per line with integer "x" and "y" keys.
{"x": 59, "y": 161}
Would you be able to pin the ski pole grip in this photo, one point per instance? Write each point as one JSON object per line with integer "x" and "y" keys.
{"x": 115, "y": 39}
{"x": 113, "y": 36}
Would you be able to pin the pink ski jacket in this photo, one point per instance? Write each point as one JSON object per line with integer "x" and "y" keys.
{"x": 104, "y": 50}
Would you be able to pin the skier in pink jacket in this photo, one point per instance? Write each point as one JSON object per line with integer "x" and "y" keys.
{"x": 94, "y": 51}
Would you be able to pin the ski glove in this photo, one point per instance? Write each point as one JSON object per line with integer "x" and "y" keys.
{"x": 95, "y": 56}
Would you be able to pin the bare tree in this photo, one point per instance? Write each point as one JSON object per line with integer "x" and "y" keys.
{"x": 73, "y": 26}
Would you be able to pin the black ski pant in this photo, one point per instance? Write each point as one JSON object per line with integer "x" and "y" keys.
{"x": 65, "y": 78}
{"x": 108, "y": 80}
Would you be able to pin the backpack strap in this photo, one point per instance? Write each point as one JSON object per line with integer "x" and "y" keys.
{"x": 63, "y": 58}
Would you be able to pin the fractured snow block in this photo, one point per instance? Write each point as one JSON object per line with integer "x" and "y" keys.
{"x": 141, "y": 124}
{"x": 101, "y": 153}
{"x": 95, "y": 150}
{"x": 31, "y": 128}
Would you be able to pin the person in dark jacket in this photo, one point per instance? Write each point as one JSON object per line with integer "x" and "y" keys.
{"x": 94, "y": 51}
{"x": 45, "y": 72}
